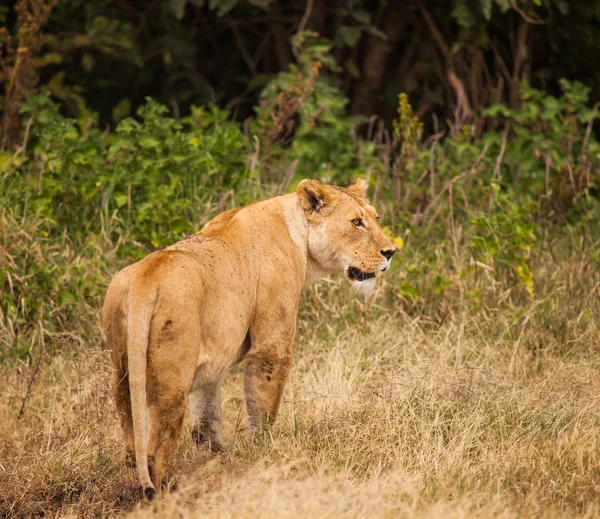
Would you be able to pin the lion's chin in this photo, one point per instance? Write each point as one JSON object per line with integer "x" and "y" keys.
{"x": 364, "y": 287}
{"x": 362, "y": 282}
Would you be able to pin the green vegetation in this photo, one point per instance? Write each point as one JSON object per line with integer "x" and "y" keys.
{"x": 466, "y": 385}
{"x": 505, "y": 195}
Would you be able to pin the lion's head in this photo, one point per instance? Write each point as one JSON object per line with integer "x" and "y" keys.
{"x": 344, "y": 235}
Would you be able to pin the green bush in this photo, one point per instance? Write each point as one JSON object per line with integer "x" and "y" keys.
{"x": 49, "y": 284}
{"x": 154, "y": 175}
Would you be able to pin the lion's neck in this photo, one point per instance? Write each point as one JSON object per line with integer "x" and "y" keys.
{"x": 297, "y": 225}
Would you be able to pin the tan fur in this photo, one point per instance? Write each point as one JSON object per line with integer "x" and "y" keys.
{"x": 178, "y": 319}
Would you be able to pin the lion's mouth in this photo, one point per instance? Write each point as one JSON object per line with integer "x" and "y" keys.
{"x": 356, "y": 274}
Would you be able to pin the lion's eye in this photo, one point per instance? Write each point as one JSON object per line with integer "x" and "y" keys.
{"x": 357, "y": 222}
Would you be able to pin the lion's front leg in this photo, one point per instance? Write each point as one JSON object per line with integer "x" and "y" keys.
{"x": 270, "y": 355}
{"x": 264, "y": 380}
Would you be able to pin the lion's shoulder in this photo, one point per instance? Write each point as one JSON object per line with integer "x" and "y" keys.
{"x": 219, "y": 222}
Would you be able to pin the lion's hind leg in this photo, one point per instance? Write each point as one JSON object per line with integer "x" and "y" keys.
{"x": 166, "y": 414}
{"x": 205, "y": 410}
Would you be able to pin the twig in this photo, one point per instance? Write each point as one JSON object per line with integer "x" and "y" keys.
{"x": 496, "y": 174}
{"x": 255, "y": 155}
{"x": 436, "y": 34}
{"x": 301, "y": 27}
{"x": 548, "y": 162}
{"x": 88, "y": 128}
{"x": 241, "y": 47}
{"x": 463, "y": 106}
{"x": 514, "y": 5}
{"x": 20, "y": 151}
{"x": 588, "y": 131}
{"x": 571, "y": 177}
{"x": 430, "y": 170}
{"x": 454, "y": 239}
{"x": 517, "y": 62}
{"x": 246, "y": 129}
{"x": 288, "y": 177}
{"x": 500, "y": 61}
{"x": 372, "y": 120}
{"x": 105, "y": 132}
{"x": 479, "y": 158}
{"x": 30, "y": 384}
{"x": 175, "y": 107}
{"x": 442, "y": 191}
{"x": 591, "y": 247}
{"x": 26, "y": 136}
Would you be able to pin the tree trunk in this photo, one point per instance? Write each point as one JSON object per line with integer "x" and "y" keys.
{"x": 375, "y": 59}
{"x": 317, "y": 20}
{"x": 283, "y": 49}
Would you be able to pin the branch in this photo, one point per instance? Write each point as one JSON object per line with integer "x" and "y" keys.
{"x": 436, "y": 34}
{"x": 241, "y": 47}
{"x": 496, "y": 174}
{"x": 305, "y": 16}
{"x": 588, "y": 131}
{"x": 462, "y": 102}
{"x": 524, "y": 15}
{"x": 301, "y": 27}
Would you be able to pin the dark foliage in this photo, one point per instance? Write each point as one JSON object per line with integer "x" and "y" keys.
{"x": 452, "y": 57}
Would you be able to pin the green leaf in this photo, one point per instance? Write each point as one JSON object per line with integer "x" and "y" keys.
{"x": 178, "y": 7}
{"x": 64, "y": 297}
{"x": 497, "y": 109}
{"x": 486, "y": 9}
{"x": 462, "y": 14}
{"x": 586, "y": 115}
{"x": 371, "y": 29}
{"x": 407, "y": 290}
{"x": 120, "y": 200}
{"x": 222, "y": 6}
{"x": 440, "y": 283}
{"x": 552, "y": 108}
{"x": 562, "y": 6}
{"x": 5, "y": 156}
{"x": 148, "y": 141}
{"x": 121, "y": 110}
{"x": 349, "y": 35}
{"x": 178, "y": 225}
{"x": 22, "y": 352}
{"x": 362, "y": 16}
{"x": 87, "y": 62}
{"x": 503, "y": 4}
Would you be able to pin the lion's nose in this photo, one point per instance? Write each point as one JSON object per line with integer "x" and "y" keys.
{"x": 387, "y": 254}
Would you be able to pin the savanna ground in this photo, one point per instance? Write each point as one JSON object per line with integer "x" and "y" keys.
{"x": 392, "y": 410}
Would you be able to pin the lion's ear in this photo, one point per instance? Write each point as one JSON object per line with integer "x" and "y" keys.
{"x": 314, "y": 196}
{"x": 360, "y": 187}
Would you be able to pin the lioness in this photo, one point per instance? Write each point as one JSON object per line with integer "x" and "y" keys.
{"x": 176, "y": 320}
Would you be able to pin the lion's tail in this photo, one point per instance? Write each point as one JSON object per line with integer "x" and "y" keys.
{"x": 141, "y": 303}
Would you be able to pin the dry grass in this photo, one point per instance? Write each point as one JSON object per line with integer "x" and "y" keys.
{"x": 478, "y": 414}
